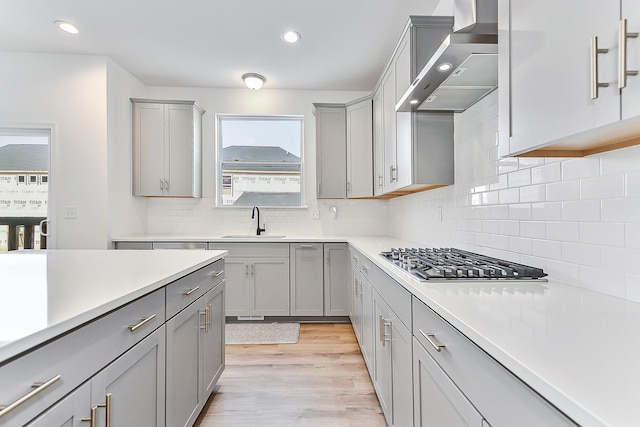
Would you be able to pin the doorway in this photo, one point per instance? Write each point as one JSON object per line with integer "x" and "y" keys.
{"x": 25, "y": 181}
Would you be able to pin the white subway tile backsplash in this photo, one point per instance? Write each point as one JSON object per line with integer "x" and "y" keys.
{"x": 579, "y": 253}
{"x": 520, "y": 245}
{"x": 625, "y": 159}
{"x": 533, "y": 193}
{"x": 580, "y": 168}
{"x": 546, "y": 211}
{"x": 520, "y": 178}
{"x": 520, "y": 211}
{"x": 535, "y": 229}
{"x": 632, "y": 235}
{"x": 632, "y": 287}
{"x": 584, "y": 210}
{"x": 546, "y": 174}
{"x": 602, "y": 187}
{"x": 509, "y": 228}
{"x": 546, "y": 248}
{"x": 602, "y": 233}
{"x": 563, "y": 231}
{"x": 621, "y": 210}
{"x": 510, "y": 195}
{"x": 633, "y": 184}
{"x": 565, "y": 190}
{"x": 624, "y": 260}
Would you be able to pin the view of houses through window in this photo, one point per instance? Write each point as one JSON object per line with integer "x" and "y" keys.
{"x": 260, "y": 160}
{"x": 24, "y": 188}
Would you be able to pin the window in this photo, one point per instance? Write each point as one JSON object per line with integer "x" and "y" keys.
{"x": 260, "y": 160}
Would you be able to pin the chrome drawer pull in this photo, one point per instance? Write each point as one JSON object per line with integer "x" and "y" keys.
{"x": 435, "y": 345}
{"x": 306, "y": 246}
{"x": 39, "y": 387}
{"x": 192, "y": 290}
{"x": 216, "y": 273}
{"x": 142, "y": 322}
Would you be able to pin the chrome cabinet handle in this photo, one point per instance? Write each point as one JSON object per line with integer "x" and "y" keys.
{"x": 205, "y": 314}
{"x": 595, "y": 84}
{"x": 216, "y": 273}
{"x": 39, "y": 388}
{"x": 306, "y": 246}
{"x": 162, "y": 185}
{"x": 384, "y": 337}
{"x": 192, "y": 290}
{"x": 358, "y": 287}
{"x": 166, "y": 185}
{"x": 380, "y": 183}
{"x": 142, "y": 322}
{"x": 93, "y": 418}
{"x": 207, "y": 310}
{"x": 428, "y": 337}
{"x": 252, "y": 269}
{"x": 623, "y": 73}
{"x": 246, "y": 270}
{"x": 348, "y": 187}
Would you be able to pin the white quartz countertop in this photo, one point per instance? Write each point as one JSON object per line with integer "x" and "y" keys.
{"x": 233, "y": 237}
{"x": 46, "y": 293}
{"x": 577, "y": 348}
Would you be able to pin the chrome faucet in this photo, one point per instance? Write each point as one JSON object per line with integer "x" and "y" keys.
{"x": 253, "y": 213}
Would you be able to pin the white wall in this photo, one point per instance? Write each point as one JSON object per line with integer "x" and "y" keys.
{"x": 579, "y": 219}
{"x": 127, "y": 214}
{"x": 200, "y": 216}
{"x": 68, "y": 91}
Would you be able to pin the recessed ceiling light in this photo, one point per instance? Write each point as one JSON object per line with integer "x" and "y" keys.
{"x": 67, "y": 27}
{"x": 253, "y": 81}
{"x": 291, "y": 36}
{"x": 444, "y": 67}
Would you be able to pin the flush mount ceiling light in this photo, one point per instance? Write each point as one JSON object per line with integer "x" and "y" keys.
{"x": 413, "y": 102}
{"x": 291, "y": 36}
{"x": 253, "y": 81}
{"x": 67, "y": 27}
{"x": 444, "y": 67}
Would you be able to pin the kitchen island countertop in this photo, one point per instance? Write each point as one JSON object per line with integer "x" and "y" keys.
{"x": 44, "y": 294}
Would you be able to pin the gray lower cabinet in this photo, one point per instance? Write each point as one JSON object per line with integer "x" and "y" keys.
{"x": 258, "y": 287}
{"x": 361, "y": 314}
{"x": 257, "y": 278}
{"x": 336, "y": 271}
{"x": 437, "y": 400}
{"x": 129, "y": 391}
{"x": 195, "y": 356}
{"x": 307, "y": 279}
{"x": 393, "y": 372}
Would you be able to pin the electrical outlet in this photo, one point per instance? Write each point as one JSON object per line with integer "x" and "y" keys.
{"x": 70, "y": 212}
{"x": 315, "y": 214}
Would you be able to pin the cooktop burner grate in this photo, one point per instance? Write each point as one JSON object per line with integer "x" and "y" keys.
{"x": 456, "y": 264}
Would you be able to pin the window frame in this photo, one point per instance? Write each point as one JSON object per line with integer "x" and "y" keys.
{"x": 219, "y": 182}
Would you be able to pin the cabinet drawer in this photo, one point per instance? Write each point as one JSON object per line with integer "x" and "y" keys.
{"x": 133, "y": 245}
{"x": 186, "y": 290}
{"x": 510, "y": 402}
{"x": 75, "y": 357}
{"x": 253, "y": 249}
{"x": 397, "y": 297}
{"x": 180, "y": 245}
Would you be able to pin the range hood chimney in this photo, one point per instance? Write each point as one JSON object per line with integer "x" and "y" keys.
{"x": 464, "y": 68}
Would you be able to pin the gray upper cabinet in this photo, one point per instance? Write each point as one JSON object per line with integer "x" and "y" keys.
{"x": 167, "y": 148}
{"x": 360, "y": 149}
{"x": 567, "y": 99}
{"x": 331, "y": 153}
{"x": 344, "y": 149}
{"x": 417, "y": 146}
{"x": 378, "y": 144}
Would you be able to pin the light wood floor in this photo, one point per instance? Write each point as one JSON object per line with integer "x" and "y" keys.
{"x": 320, "y": 381}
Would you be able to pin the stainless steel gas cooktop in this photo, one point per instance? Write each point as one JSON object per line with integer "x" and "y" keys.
{"x": 456, "y": 264}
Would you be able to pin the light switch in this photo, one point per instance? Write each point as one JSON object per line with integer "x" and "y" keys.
{"x": 70, "y": 212}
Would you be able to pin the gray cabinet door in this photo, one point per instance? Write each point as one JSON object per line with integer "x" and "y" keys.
{"x": 69, "y": 411}
{"x": 270, "y": 286}
{"x": 237, "y": 293}
{"x": 148, "y": 149}
{"x": 378, "y": 144}
{"x": 401, "y": 373}
{"x": 437, "y": 400}
{"x": 331, "y": 153}
{"x": 336, "y": 287}
{"x": 356, "y": 303}
{"x": 307, "y": 277}
{"x": 213, "y": 340}
{"x": 184, "y": 333}
{"x": 360, "y": 149}
{"x": 134, "y": 385}
{"x": 382, "y": 357}
{"x": 368, "y": 325}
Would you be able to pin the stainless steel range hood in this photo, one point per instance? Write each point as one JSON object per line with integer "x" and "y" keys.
{"x": 464, "y": 69}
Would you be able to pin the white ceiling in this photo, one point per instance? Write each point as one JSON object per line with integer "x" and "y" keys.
{"x": 211, "y": 43}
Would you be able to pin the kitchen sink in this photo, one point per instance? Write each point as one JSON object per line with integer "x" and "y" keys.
{"x": 251, "y": 236}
